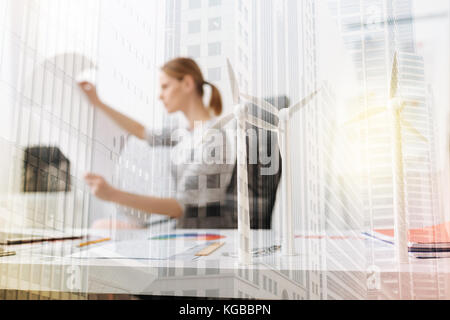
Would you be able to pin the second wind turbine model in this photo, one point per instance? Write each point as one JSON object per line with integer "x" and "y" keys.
{"x": 395, "y": 108}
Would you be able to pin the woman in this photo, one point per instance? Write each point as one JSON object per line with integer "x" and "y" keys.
{"x": 201, "y": 188}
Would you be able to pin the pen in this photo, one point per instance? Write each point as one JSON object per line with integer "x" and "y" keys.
{"x": 266, "y": 251}
{"x": 38, "y": 240}
{"x": 93, "y": 242}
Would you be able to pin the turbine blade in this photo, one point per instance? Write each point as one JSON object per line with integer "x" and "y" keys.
{"x": 296, "y": 107}
{"x": 244, "y": 232}
{"x": 233, "y": 83}
{"x": 259, "y": 123}
{"x": 394, "y": 78}
{"x": 261, "y": 103}
{"x": 367, "y": 114}
{"x": 413, "y": 130}
{"x": 222, "y": 122}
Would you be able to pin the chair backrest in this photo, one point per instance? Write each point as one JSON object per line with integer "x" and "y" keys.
{"x": 262, "y": 188}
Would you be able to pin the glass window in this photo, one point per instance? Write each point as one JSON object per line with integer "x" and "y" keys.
{"x": 195, "y": 4}
{"x": 213, "y": 181}
{"x": 191, "y": 211}
{"x": 213, "y": 3}
{"x": 193, "y": 51}
{"x": 215, "y": 49}
{"x": 212, "y": 267}
{"x": 212, "y": 293}
{"x": 215, "y": 24}
{"x": 194, "y": 26}
{"x": 191, "y": 183}
{"x": 213, "y": 209}
{"x": 214, "y": 74}
{"x": 189, "y": 293}
{"x": 190, "y": 271}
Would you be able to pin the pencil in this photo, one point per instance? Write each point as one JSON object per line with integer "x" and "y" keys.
{"x": 93, "y": 242}
{"x": 209, "y": 249}
{"x": 7, "y": 253}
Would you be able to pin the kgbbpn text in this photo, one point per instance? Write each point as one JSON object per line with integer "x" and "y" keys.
{"x": 229, "y": 309}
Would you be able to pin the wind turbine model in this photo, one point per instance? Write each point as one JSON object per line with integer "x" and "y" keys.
{"x": 283, "y": 130}
{"x": 395, "y": 108}
{"x": 241, "y": 115}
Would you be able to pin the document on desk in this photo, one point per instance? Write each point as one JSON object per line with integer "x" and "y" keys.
{"x": 140, "y": 249}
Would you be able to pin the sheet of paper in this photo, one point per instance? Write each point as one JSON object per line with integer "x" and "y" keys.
{"x": 140, "y": 249}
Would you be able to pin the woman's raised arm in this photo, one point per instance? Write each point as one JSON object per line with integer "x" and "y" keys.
{"x": 126, "y": 123}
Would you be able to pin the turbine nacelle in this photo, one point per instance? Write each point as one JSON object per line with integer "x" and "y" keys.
{"x": 284, "y": 117}
{"x": 395, "y": 104}
{"x": 240, "y": 111}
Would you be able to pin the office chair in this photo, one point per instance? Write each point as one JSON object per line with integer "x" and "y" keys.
{"x": 262, "y": 189}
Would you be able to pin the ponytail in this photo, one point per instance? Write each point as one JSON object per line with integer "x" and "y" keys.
{"x": 215, "y": 103}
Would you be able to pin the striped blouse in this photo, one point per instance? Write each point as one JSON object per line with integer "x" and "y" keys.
{"x": 202, "y": 171}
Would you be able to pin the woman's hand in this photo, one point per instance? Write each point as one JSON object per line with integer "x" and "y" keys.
{"x": 99, "y": 187}
{"x": 126, "y": 123}
{"x": 91, "y": 92}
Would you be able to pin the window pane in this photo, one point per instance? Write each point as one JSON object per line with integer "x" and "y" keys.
{"x": 195, "y": 4}
{"x": 194, "y": 26}
{"x": 213, "y": 3}
{"x": 214, "y": 49}
{"x": 194, "y": 51}
{"x": 214, "y": 74}
{"x": 215, "y": 24}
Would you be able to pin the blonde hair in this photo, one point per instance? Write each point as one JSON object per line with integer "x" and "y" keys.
{"x": 180, "y": 67}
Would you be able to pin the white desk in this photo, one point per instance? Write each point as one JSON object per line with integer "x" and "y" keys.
{"x": 327, "y": 268}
